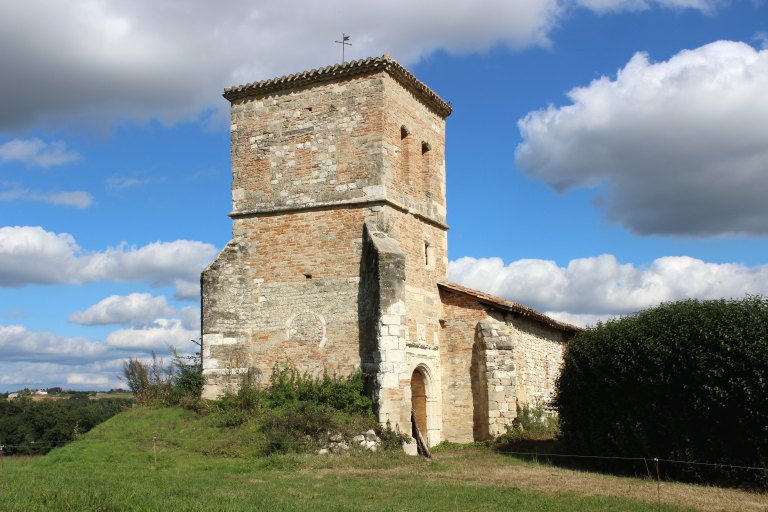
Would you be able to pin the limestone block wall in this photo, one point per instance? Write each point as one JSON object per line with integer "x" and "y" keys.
{"x": 460, "y": 316}
{"x": 414, "y": 148}
{"x": 494, "y": 341}
{"x": 425, "y": 248}
{"x": 384, "y": 320}
{"x": 308, "y": 146}
{"x": 538, "y": 359}
{"x": 492, "y": 361}
{"x": 270, "y": 297}
{"x": 394, "y": 356}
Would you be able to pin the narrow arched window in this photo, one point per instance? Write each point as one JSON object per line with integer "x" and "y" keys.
{"x": 405, "y": 152}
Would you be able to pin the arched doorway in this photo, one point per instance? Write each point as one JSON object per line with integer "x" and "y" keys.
{"x": 419, "y": 400}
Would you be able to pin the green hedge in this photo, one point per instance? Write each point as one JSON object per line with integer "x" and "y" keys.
{"x": 686, "y": 380}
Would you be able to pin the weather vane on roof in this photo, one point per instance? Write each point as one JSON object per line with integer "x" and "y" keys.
{"x": 344, "y": 44}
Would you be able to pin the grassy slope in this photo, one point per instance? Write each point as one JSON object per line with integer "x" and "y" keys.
{"x": 201, "y": 467}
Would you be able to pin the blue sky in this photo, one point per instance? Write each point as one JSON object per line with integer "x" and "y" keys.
{"x": 603, "y": 156}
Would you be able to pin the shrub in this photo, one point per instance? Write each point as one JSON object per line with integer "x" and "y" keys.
{"x": 685, "y": 381}
{"x": 297, "y": 411}
{"x": 150, "y": 382}
{"x": 178, "y": 383}
{"x": 188, "y": 380}
{"x": 531, "y": 422}
{"x": 289, "y": 386}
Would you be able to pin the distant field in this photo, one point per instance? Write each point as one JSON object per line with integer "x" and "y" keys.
{"x": 100, "y": 396}
{"x": 94, "y": 396}
{"x": 202, "y": 467}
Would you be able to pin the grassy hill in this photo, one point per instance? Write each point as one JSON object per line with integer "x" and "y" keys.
{"x": 173, "y": 459}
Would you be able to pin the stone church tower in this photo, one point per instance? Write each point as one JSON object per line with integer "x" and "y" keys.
{"x": 338, "y": 257}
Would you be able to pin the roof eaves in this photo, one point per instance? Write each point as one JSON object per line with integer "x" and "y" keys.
{"x": 507, "y": 305}
{"x": 338, "y": 71}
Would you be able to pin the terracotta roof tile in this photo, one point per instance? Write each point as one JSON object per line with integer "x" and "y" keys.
{"x": 339, "y": 71}
{"x": 507, "y": 305}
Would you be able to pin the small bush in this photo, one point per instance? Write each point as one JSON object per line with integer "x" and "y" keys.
{"x": 155, "y": 383}
{"x": 150, "y": 382}
{"x": 289, "y": 386}
{"x": 297, "y": 411}
{"x": 391, "y": 439}
{"x": 531, "y": 422}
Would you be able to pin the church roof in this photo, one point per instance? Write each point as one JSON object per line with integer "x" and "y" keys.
{"x": 339, "y": 72}
{"x": 506, "y": 305}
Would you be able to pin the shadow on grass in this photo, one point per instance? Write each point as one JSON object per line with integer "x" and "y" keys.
{"x": 552, "y": 451}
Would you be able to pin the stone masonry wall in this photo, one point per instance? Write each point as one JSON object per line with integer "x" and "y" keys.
{"x": 492, "y": 361}
{"x": 384, "y": 273}
{"x": 539, "y": 352}
{"x": 460, "y": 316}
{"x": 495, "y": 340}
{"x": 270, "y": 297}
{"x": 414, "y": 146}
{"x": 308, "y": 147}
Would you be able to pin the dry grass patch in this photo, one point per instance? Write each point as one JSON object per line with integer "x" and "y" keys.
{"x": 484, "y": 468}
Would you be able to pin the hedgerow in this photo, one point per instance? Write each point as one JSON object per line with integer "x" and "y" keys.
{"x": 684, "y": 381}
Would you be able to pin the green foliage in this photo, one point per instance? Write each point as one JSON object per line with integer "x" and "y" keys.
{"x": 531, "y": 422}
{"x": 297, "y": 411}
{"x": 36, "y": 427}
{"x": 155, "y": 383}
{"x": 288, "y": 386}
{"x": 391, "y": 439}
{"x": 236, "y": 408}
{"x": 686, "y": 381}
{"x": 188, "y": 380}
{"x": 151, "y": 382}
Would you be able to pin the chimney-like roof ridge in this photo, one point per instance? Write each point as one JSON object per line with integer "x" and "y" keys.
{"x": 337, "y": 71}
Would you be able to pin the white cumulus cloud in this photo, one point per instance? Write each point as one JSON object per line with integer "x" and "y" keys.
{"x": 77, "y": 198}
{"x": 37, "y": 152}
{"x": 95, "y": 375}
{"x": 32, "y": 255}
{"x": 19, "y": 344}
{"x": 87, "y": 379}
{"x": 135, "y": 309}
{"x": 145, "y": 59}
{"x": 158, "y": 337}
{"x": 677, "y": 147}
{"x": 588, "y": 289}
{"x": 604, "y": 6}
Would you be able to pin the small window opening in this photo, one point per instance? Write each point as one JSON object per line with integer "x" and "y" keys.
{"x": 308, "y": 276}
{"x": 425, "y": 147}
{"x": 426, "y": 253}
{"x": 404, "y": 132}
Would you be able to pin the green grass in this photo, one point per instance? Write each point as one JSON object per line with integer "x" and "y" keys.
{"x": 203, "y": 467}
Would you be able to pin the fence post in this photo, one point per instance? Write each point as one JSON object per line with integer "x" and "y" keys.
{"x": 658, "y": 484}
{"x": 154, "y": 448}
{"x": 2, "y": 462}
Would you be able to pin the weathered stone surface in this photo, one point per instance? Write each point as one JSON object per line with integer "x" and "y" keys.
{"x": 339, "y": 255}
